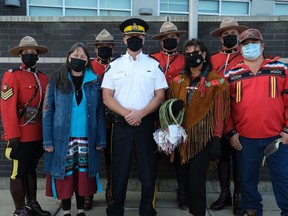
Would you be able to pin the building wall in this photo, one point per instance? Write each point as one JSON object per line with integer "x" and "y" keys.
{"x": 59, "y": 33}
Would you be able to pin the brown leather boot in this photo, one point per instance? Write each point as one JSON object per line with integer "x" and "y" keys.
{"x": 31, "y": 191}
{"x": 225, "y": 198}
{"x": 18, "y": 195}
{"x": 88, "y": 202}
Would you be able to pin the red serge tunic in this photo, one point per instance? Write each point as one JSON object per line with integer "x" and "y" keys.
{"x": 259, "y": 109}
{"x": 18, "y": 86}
{"x": 172, "y": 64}
{"x": 222, "y": 61}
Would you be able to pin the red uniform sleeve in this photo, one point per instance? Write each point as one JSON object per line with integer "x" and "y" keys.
{"x": 9, "y": 93}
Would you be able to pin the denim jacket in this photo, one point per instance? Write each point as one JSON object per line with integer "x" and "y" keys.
{"x": 57, "y": 111}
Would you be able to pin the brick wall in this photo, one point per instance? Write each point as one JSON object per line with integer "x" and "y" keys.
{"x": 58, "y": 34}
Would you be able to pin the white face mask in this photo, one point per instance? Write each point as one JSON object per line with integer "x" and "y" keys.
{"x": 251, "y": 51}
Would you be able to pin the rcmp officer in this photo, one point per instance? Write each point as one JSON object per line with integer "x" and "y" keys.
{"x": 22, "y": 96}
{"x": 172, "y": 62}
{"x": 133, "y": 88}
{"x": 104, "y": 45}
{"x": 222, "y": 61}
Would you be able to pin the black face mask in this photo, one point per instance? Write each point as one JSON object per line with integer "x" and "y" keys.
{"x": 29, "y": 59}
{"x": 77, "y": 65}
{"x": 194, "y": 60}
{"x": 170, "y": 43}
{"x": 134, "y": 44}
{"x": 104, "y": 52}
{"x": 230, "y": 41}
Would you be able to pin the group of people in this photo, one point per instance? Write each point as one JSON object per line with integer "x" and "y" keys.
{"x": 235, "y": 105}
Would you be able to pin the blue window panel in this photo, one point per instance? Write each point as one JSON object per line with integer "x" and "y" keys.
{"x": 235, "y": 8}
{"x": 281, "y": 9}
{"x": 85, "y": 3}
{"x": 45, "y": 11}
{"x": 114, "y": 13}
{"x": 208, "y": 7}
{"x": 45, "y": 2}
{"x": 80, "y": 12}
{"x": 174, "y": 5}
{"x": 119, "y": 4}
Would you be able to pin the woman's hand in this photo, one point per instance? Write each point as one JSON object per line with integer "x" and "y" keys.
{"x": 49, "y": 149}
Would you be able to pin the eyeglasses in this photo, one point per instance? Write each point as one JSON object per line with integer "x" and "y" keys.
{"x": 196, "y": 52}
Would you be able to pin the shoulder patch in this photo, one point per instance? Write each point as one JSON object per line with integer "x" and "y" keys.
{"x": 6, "y": 92}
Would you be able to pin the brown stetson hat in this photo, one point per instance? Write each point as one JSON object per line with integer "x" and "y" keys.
{"x": 28, "y": 42}
{"x": 226, "y": 24}
{"x": 166, "y": 29}
{"x": 104, "y": 37}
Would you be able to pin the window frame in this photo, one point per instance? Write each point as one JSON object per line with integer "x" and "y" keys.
{"x": 280, "y": 3}
{"x": 220, "y": 8}
{"x": 98, "y": 9}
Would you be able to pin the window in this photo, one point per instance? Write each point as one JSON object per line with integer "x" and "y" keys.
{"x": 224, "y": 7}
{"x": 174, "y": 7}
{"x": 281, "y": 8}
{"x": 79, "y": 8}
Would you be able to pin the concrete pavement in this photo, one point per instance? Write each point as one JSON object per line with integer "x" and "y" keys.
{"x": 165, "y": 203}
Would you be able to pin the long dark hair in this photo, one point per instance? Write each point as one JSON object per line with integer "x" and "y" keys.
{"x": 61, "y": 76}
{"x": 198, "y": 43}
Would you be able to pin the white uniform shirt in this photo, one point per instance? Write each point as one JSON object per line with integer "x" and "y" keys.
{"x": 134, "y": 82}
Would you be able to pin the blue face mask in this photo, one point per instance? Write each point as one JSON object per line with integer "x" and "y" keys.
{"x": 251, "y": 51}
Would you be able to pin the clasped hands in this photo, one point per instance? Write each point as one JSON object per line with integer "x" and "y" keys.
{"x": 134, "y": 117}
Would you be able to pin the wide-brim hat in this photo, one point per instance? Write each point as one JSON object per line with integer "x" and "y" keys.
{"x": 166, "y": 29}
{"x": 28, "y": 42}
{"x": 134, "y": 26}
{"x": 226, "y": 24}
{"x": 104, "y": 37}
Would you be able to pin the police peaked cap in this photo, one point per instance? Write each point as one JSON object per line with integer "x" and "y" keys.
{"x": 134, "y": 26}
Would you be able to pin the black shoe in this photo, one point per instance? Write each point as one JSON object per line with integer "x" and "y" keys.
{"x": 22, "y": 212}
{"x": 182, "y": 200}
{"x": 88, "y": 202}
{"x": 224, "y": 199}
{"x": 36, "y": 209}
{"x": 81, "y": 214}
